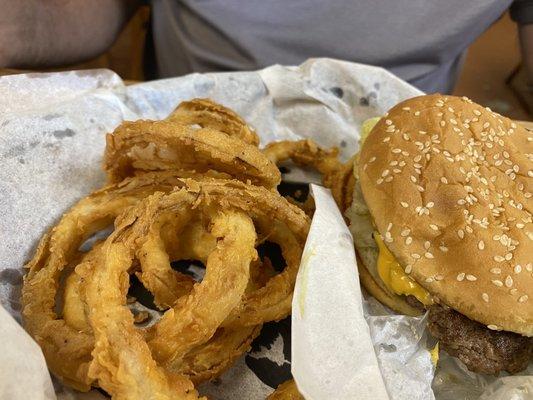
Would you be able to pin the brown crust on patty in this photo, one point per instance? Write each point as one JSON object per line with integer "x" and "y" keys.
{"x": 482, "y": 350}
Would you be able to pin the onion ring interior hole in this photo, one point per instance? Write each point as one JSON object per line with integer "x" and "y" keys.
{"x": 272, "y": 252}
{"x": 298, "y": 191}
{"x": 138, "y": 292}
{"x": 193, "y": 268}
{"x": 94, "y": 238}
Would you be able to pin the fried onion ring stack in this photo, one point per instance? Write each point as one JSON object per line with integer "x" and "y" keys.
{"x": 192, "y": 187}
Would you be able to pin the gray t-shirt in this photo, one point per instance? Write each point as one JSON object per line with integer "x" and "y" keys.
{"x": 421, "y": 41}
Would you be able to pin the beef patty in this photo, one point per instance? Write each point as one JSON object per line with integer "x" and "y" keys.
{"x": 481, "y": 349}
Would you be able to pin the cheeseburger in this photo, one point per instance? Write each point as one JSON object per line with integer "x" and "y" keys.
{"x": 441, "y": 216}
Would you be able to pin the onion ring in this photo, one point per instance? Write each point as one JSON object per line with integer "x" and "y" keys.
{"x": 141, "y": 146}
{"x": 188, "y": 194}
{"x": 203, "y": 362}
{"x": 106, "y": 304}
{"x": 336, "y": 176}
{"x": 209, "y": 114}
{"x": 67, "y": 351}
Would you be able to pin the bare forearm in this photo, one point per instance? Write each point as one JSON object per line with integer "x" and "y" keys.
{"x": 526, "y": 43}
{"x": 53, "y": 32}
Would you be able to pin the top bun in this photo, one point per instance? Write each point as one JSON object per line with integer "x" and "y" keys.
{"x": 449, "y": 184}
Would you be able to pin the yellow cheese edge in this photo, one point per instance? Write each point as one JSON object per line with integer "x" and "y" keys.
{"x": 394, "y": 277}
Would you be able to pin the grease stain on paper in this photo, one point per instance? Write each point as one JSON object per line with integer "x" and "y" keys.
{"x": 304, "y": 264}
{"x": 61, "y": 134}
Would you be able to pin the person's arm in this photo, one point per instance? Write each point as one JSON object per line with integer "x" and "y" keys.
{"x": 522, "y": 13}
{"x": 53, "y": 32}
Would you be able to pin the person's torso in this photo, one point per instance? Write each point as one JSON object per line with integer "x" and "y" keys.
{"x": 419, "y": 40}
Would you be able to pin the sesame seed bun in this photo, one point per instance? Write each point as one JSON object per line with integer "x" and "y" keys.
{"x": 449, "y": 186}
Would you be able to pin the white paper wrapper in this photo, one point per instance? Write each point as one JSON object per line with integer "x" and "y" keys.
{"x": 331, "y": 348}
{"x": 52, "y": 129}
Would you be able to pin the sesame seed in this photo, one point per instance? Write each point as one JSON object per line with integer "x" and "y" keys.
{"x": 529, "y": 267}
{"x": 405, "y": 232}
{"x": 396, "y": 151}
{"x": 461, "y": 277}
{"x": 434, "y": 227}
{"x": 416, "y": 256}
{"x": 388, "y": 122}
{"x": 389, "y": 227}
{"x": 444, "y": 180}
{"x": 509, "y": 256}
{"x": 477, "y": 112}
{"x": 442, "y": 123}
{"x": 499, "y": 259}
{"x": 413, "y": 179}
{"x": 408, "y": 240}
{"x": 379, "y": 181}
{"x": 428, "y": 255}
{"x": 508, "y": 281}
{"x": 420, "y": 188}
{"x": 385, "y": 173}
{"x": 372, "y": 160}
{"x": 417, "y": 113}
{"x": 444, "y": 249}
{"x": 493, "y": 327}
{"x": 523, "y": 299}
{"x": 408, "y": 268}
{"x": 404, "y": 204}
{"x": 429, "y": 280}
{"x": 430, "y": 204}
{"x": 517, "y": 269}
{"x": 461, "y": 233}
{"x": 497, "y": 282}
{"x": 496, "y": 270}
{"x": 481, "y": 245}
{"x": 387, "y": 138}
{"x": 471, "y": 278}
{"x": 485, "y": 297}
{"x": 427, "y": 244}
{"x": 513, "y": 291}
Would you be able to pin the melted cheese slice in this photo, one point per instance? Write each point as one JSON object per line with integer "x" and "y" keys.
{"x": 394, "y": 277}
